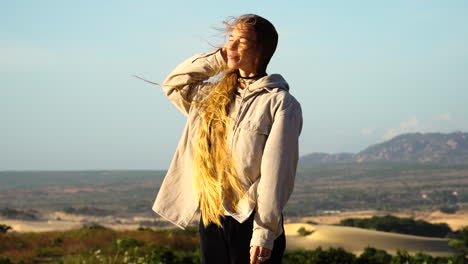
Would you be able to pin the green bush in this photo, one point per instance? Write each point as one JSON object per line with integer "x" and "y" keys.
{"x": 142, "y": 228}
{"x": 94, "y": 226}
{"x": 4, "y": 228}
{"x": 369, "y": 256}
{"x": 5, "y": 261}
{"x": 129, "y": 243}
{"x": 460, "y": 243}
{"x": 330, "y": 256}
{"x": 303, "y": 232}
{"x": 48, "y": 252}
{"x": 58, "y": 241}
{"x": 449, "y": 209}
{"x": 374, "y": 256}
{"x": 394, "y": 224}
{"x": 166, "y": 255}
{"x": 190, "y": 231}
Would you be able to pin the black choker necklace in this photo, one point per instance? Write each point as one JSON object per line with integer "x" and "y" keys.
{"x": 253, "y": 77}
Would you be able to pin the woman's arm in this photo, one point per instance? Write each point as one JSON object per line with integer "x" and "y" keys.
{"x": 278, "y": 169}
{"x": 185, "y": 81}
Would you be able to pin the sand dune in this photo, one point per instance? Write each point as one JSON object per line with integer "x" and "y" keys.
{"x": 59, "y": 221}
{"x": 40, "y": 226}
{"x": 455, "y": 221}
{"x": 356, "y": 239}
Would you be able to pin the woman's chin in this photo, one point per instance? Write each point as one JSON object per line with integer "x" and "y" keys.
{"x": 232, "y": 65}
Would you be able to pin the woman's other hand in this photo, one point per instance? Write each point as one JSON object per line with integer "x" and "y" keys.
{"x": 259, "y": 254}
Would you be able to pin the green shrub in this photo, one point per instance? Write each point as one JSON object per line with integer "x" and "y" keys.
{"x": 58, "y": 241}
{"x": 163, "y": 255}
{"x": 5, "y": 261}
{"x": 330, "y": 256}
{"x": 190, "y": 231}
{"x": 394, "y": 224}
{"x": 449, "y": 209}
{"x": 48, "y": 252}
{"x": 142, "y": 228}
{"x": 303, "y": 232}
{"x": 4, "y": 228}
{"x": 402, "y": 257}
{"x": 21, "y": 244}
{"x": 460, "y": 243}
{"x": 129, "y": 243}
{"x": 374, "y": 256}
{"x": 94, "y": 226}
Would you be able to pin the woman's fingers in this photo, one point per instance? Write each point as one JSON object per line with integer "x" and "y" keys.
{"x": 254, "y": 250}
{"x": 224, "y": 54}
{"x": 259, "y": 254}
{"x": 265, "y": 254}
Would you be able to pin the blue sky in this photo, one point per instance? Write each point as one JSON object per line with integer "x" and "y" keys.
{"x": 364, "y": 71}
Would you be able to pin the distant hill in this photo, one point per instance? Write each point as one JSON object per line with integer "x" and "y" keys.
{"x": 441, "y": 148}
{"x": 325, "y": 158}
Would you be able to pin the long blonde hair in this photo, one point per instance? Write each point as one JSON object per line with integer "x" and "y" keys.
{"x": 215, "y": 176}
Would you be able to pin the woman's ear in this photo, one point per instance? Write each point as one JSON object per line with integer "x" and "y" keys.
{"x": 260, "y": 61}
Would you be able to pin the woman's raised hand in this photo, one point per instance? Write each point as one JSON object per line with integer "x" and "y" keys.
{"x": 224, "y": 53}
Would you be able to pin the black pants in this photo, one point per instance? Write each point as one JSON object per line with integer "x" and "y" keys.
{"x": 231, "y": 244}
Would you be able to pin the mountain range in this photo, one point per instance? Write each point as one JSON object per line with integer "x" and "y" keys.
{"x": 451, "y": 148}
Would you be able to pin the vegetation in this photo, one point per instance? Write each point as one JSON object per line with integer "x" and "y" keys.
{"x": 374, "y": 256}
{"x": 369, "y": 256}
{"x": 94, "y": 244}
{"x": 5, "y": 261}
{"x": 322, "y": 187}
{"x": 4, "y": 228}
{"x": 353, "y": 186}
{"x": 460, "y": 242}
{"x": 395, "y": 224}
{"x": 377, "y": 185}
{"x": 123, "y": 193}
{"x": 18, "y": 214}
{"x": 86, "y": 210}
{"x": 449, "y": 209}
{"x": 303, "y": 232}
{"x": 330, "y": 256}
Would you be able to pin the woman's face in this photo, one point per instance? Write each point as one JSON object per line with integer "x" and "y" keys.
{"x": 241, "y": 49}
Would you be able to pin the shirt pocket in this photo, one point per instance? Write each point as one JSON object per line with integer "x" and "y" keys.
{"x": 255, "y": 127}
{"x": 248, "y": 147}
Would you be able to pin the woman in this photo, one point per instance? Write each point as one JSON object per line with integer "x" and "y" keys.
{"x": 237, "y": 158}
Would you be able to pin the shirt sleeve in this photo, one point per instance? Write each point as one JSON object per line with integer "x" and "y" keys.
{"x": 183, "y": 84}
{"x": 278, "y": 169}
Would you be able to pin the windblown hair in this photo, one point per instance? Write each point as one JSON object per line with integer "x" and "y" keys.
{"x": 215, "y": 177}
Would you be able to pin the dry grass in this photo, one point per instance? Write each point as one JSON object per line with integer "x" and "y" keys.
{"x": 29, "y": 247}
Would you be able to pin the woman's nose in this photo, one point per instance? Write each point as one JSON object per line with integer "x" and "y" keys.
{"x": 231, "y": 44}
